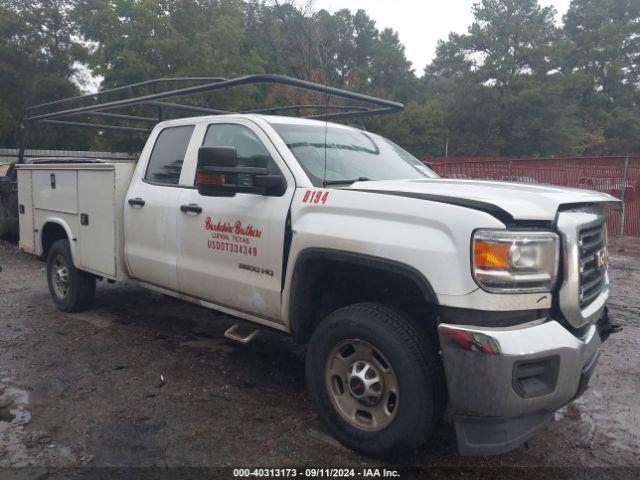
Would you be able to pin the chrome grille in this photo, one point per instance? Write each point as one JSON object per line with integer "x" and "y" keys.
{"x": 593, "y": 263}
{"x": 584, "y": 292}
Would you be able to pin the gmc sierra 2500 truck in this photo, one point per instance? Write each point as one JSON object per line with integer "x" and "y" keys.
{"x": 412, "y": 292}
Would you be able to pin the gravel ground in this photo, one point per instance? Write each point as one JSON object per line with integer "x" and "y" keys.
{"x": 142, "y": 380}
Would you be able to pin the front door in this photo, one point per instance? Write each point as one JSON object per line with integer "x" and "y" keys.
{"x": 230, "y": 252}
{"x": 151, "y": 206}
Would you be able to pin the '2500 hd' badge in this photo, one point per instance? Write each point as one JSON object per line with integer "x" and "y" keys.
{"x": 251, "y": 268}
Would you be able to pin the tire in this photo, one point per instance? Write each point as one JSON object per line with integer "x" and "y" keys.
{"x": 72, "y": 290}
{"x": 405, "y": 361}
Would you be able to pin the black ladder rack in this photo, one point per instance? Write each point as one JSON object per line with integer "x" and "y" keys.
{"x": 63, "y": 112}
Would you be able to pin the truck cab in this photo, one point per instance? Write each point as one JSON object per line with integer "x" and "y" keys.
{"x": 413, "y": 293}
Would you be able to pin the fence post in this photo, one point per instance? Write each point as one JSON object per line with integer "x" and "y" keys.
{"x": 446, "y": 154}
{"x": 623, "y": 195}
{"x": 510, "y": 169}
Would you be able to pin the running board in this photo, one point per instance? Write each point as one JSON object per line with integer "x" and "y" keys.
{"x": 241, "y": 333}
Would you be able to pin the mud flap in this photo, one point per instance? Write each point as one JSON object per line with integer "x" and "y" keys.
{"x": 493, "y": 436}
{"x": 587, "y": 371}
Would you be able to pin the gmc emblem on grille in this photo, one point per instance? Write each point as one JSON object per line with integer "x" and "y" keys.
{"x": 602, "y": 259}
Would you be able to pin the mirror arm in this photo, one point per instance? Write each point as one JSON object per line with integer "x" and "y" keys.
{"x": 273, "y": 185}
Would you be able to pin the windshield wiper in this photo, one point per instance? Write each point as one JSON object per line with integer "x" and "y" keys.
{"x": 346, "y": 182}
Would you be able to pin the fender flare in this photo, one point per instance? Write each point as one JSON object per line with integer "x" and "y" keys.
{"x": 341, "y": 256}
{"x": 67, "y": 229}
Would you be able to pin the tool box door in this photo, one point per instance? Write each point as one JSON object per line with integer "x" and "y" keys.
{"x": 96, "y": 235}
{"x": 55, "y": 190}
{"x": 25, "y": 211}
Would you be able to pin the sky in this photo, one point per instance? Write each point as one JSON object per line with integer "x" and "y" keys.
{"x": 421, "y": 23}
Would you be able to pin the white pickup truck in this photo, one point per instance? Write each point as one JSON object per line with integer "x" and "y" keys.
{"x": 412, "y": 292}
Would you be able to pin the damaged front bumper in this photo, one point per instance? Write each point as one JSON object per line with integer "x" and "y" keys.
{"x": 506, "y": 383}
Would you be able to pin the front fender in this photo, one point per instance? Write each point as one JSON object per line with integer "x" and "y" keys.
{"x": 432, "y": 238}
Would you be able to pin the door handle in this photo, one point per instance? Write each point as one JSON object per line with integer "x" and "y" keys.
{"x": 191, "y": 208}
{"x": 137, "y": 202}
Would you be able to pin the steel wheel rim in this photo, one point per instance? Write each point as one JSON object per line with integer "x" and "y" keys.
{"x": 362, "y": 385}
{"x": 60, "y": 276}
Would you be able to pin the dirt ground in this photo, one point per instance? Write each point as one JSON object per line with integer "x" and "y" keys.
{"x": 143, "y": 380}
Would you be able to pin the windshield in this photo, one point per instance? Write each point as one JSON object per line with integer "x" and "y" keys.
{"x": 352, "y": 155}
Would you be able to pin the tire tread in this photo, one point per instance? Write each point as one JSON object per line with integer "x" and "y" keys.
{"x": 83, "y": 283}
{"x": 418, "y": 345}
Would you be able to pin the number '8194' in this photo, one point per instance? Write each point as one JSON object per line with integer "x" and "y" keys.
{"x": 315, "y": 196}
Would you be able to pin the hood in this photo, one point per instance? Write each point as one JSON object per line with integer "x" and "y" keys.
{"x": 503, "y": 199}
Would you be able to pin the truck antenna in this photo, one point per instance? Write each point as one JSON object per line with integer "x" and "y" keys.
{"x": 326, "y": 111}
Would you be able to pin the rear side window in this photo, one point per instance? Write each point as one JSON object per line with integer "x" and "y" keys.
{"x": 168, "y": 154}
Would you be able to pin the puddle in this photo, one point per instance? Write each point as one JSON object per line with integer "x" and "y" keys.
{"x": 13, "y": 417}
{"x": 13, "y": 403}
{"x": 16, "y": 445}
{"x": 5, "y": 413}
{"x": 594, "y": 423}
{"x": 6, "y": 416}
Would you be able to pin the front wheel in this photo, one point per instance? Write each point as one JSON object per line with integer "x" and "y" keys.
{"x": 72, "y": 290}
{"x": 375, "y": 379}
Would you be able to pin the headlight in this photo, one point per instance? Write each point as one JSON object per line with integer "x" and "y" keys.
{"x": 515, "y": 262}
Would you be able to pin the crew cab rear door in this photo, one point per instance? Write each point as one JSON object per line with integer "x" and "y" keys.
{"x": 151, "y": 206}
{"x": 231, "y": 248}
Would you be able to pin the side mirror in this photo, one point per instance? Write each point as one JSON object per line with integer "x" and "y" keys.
{"x": 215, "y": 172}
{"x": 218, "y": 175}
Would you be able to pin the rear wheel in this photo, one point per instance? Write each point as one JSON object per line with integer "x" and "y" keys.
{"x": 72, "y": 290}
{"x": 375, "y": 379}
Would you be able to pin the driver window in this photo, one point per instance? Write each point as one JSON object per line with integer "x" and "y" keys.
{"x": 250, "y": 150}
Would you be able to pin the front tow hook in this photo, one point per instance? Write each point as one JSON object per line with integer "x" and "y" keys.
{"x": 605, "y": 327}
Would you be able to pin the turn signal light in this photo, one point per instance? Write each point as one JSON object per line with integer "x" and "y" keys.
{"x": 515, "y": 261}
{"x": 491, "y": 255}
{"x": 206, "y": 178}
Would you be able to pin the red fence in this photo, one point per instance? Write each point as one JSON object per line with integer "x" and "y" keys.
{"x": 617, "y": 176}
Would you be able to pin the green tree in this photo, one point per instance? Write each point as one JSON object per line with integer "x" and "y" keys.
{"x": 601, "y": 57}
{"x": 138, "y": 40}
{"x": 500, "y": 81}
{"x": 508, "y": 39}
{"x": 343, "y": 49}
{"x": 420, "y": 129}
{"x": 514, "y": 84}
{"x": 38, "y": 57}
